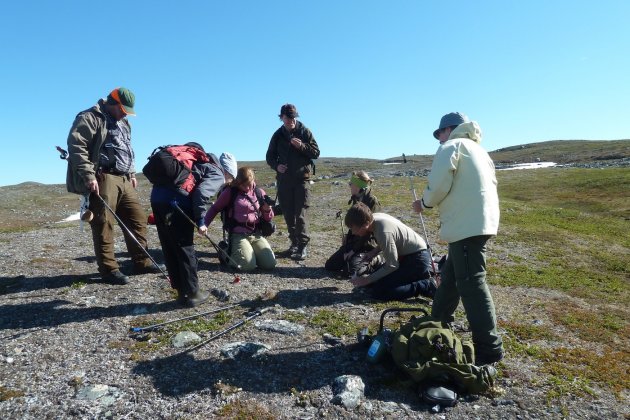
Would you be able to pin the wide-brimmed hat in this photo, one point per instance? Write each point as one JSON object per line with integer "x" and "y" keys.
{"x": 449, "y": 120}
{"x": 289, "y": 110}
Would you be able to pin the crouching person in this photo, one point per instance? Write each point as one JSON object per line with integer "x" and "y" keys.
{"x": 406, "y": 271}
{"x": 243, "y": 209}
{"x": 350, "y": 257}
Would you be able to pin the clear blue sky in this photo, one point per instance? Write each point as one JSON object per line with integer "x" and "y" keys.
{"x": 370, "y": 78}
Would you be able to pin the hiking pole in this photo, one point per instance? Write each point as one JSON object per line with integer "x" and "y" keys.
{"x": 424, "y": 229}
{"x": 338, "y": 216}
{"x": 155, "y": 326}
{"x": 257, "y": 313}
{"x": 216, "y": 247}
{"x": 63, "y": 154}
{"x": 120, "y": 222}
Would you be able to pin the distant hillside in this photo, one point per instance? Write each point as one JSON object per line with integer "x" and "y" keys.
{"x": 564, "y": 151}
{"x": 559, "y": 151}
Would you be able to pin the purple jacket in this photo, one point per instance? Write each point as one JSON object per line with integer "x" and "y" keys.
{"x": 245, "y": 211}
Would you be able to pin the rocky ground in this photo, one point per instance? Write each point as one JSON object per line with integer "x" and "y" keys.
{"x": 66, "y": 350}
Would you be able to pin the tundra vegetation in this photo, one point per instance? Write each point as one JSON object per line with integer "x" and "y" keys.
{"x": 559, "y": 271}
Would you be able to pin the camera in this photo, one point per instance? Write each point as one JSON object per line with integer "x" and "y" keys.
{"x": 269, "y": 201}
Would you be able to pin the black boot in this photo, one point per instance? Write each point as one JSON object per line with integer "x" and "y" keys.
{"x": 197, "y": 298}
{"x": 300, "y": 253}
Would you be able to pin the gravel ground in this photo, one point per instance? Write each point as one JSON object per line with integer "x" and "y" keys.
{"x": 64, "y": 333}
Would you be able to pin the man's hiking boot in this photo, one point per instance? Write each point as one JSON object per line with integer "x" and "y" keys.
{"x": 115, "y": 277}
{"x": 290, "y": 251}
{"x": 149, "y": 269}
{"x": 488, "y": 359}
{"x": 195, "y": 299}
{"x": 181, "y": 298}
{"x": 300, "y": 253}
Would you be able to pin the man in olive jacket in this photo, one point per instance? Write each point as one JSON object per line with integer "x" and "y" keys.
{"x": 101, "y": 162}
{"x": 291, "y": 152}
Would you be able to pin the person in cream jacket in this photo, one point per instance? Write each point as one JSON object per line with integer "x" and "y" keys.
{"x": 462, "y": 185}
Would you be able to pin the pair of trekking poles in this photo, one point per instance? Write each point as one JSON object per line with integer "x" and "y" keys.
{"x": 256, "y": 313}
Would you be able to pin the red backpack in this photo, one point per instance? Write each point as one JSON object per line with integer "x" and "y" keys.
{"x": 171, "y": 166}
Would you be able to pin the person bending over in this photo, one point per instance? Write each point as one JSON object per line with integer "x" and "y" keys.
{"x": 175, "y": 231}
{"x": 406, "y": 271}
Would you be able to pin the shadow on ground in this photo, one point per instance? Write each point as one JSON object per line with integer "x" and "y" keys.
{"x": 59, "y": 311}
{"x": 182, "y": 374}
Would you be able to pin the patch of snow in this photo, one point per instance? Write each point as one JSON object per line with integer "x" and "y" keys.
{"x": 534, "y": 165}
{"x": 391, "y": 163}
{"x": 71, "y": 218}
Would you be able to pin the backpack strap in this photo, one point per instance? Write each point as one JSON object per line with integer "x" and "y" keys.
{"x": 258, "y": 199}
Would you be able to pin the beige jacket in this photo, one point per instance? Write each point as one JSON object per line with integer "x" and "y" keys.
{"x": 463, "y": 185}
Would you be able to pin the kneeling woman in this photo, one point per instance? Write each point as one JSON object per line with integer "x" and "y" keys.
{"x": 242, "y": 216}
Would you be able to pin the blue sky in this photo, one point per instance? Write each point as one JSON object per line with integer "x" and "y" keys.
{"x": 370, "y": 78}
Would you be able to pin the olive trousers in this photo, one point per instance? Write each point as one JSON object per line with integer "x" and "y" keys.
{"x": 464, "y": 278}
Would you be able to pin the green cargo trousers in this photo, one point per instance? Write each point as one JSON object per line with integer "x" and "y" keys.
{"x": 119, "y": 194}
{"x": 464, "y": 277}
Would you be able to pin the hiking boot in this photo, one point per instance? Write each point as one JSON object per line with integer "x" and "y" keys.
{"x": 115, "y": 277}
{"x": 181, "y": 298}
{"x": 197, "y": 299}
{"x": 290, "y": 251}
{"x": 148, "y": 269}
{"x": 221, "y": 295}
{"x": 488, "y": 359}
{"x": 300, "y": 253}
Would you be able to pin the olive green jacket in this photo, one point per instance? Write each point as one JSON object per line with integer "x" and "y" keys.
{"x": 85, "y": 140}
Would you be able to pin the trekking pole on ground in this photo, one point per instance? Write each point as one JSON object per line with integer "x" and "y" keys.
{"x": 257, "y": 313}
{"x": 155, "y": 326}
{"x": 424, "y": 229}
{"x": 216, "y": 247}
{"x": 122, "y": 225}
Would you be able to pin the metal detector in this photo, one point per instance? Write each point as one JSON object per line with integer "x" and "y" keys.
{"x": 156, "y": 326}
{"x": 120, "y": 222}
{"x": 214, "y": 244}
{"x": 256, "y": 314}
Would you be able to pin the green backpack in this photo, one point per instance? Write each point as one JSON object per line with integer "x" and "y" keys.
{"x": 428, "y": 350}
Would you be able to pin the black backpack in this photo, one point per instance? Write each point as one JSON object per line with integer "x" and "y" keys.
{"x": 171, "y": 166}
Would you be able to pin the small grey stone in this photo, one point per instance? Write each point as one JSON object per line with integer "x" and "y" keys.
{"x": 184, "y": 339}
{"x": 348, "y": 391}
{"x": 104, "y": 394}
{"x": 389, "y": 406}
{"x": 280, "y": 326}
{"x": 239, "y": 348}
